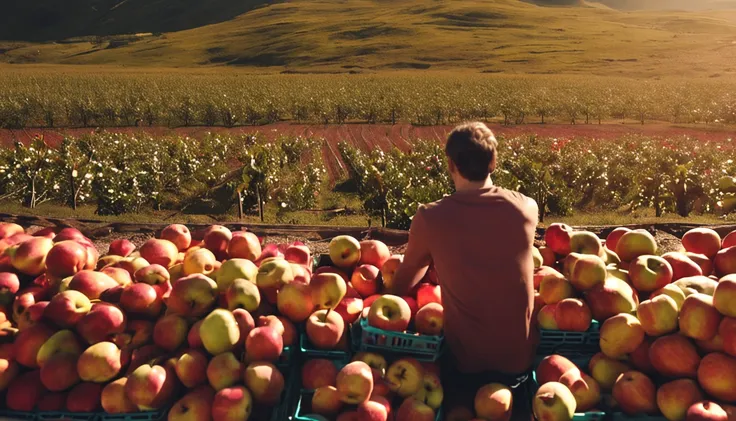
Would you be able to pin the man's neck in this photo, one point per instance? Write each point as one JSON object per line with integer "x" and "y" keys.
{"x": 467, "y": 185}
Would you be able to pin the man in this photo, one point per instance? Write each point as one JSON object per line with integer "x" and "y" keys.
{"x": 480, "y": 240}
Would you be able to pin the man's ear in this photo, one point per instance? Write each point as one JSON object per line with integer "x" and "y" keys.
{"x": 492, "y": 166}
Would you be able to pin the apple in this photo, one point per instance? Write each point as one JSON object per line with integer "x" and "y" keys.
{"x": 537, "y": 258}
{"x": 170, "y": 332}
{"x": 67, "y": 308}
{"x": 264, "y": 344}
{"x": 413, "y": 409}
{"x": 146, "y": 354}
{"x": 554, "y": 402}
{"x": 371, "y": 410}
{"x": 584, "y": 388}
{"x": 365, "y": 280}
{"x": 114, "y": 400}
{"x": 317, "y": 373}
{"x": 65, "y": 259}
{"x": 177, "y": 234}
{"x": 552, "y": 367}
{"x": 9, "y": 286}
{"x": 713, "y": 345}
{"x": 194, "y": 339}
{"x": 141, "y": 299}
{"x": 390, "y": 312}
{"x": 344, "y": 251}
{"x": 274, "y": 273}
{"x": 9, "y": 229}
{"x": 676, "y": 397}
{"x": 351, "y": 306}
{"x": 302, "y": 274}
{"x": 121, "y": 247}
{"x": 119, "y": 275}
{"x": 295, "y": 302}
{"x": 548, "y": 256}
{"x": 219, "y": 332}
{"x": 546, "y": 317}
{"x": 136, "y": 334}
{"x": 705, "y": 263}
{"x": 59, "y": 372}
{"x": 156, "y": 276}
{"x": 328, "y": 289}
{"x": 374, "y": 253}
{"x": 553, "y": 289}
{"x": 430, "y": 320}
{"x": 706, "y": 411}
{"x": 674, "y": 356}
{"x": 29, "y": 257}
{"x": 217, "y": 240}
{"x": 199, "y": 260}
{"x": 543, "y": 272}
{"x": 717, "y": 376}
{"x": 727, "y": 331}
{"x": 572, "y": 315}
{"x": 377, "y": 363}
{"x": 25, "y": 391}
{"x": 9, "y": 370}
{"x": 160, "y": 252}
{"x": 299, "y": 254}
{"x": 354, "y": 383}
{"x": 634, "y": 244}
{"x": 672, "y": 291}
{"x": 729, "y": 240}
{"x": 245, "y": 325}
{"x": 557, "y": 237}
{"x": 610, "y": 298}
{"x": 682, "y": 265}
{"x": 431, "y": 393}
{"x": 265, "y": 382}
{"x": 232, "y": 404}
{"x": 25, "y": 299}
{"x": 235, "y": 269}
{"x": 697, "y": 284}
{"x": 699, "y": 319}
{"x": 620, "y": 335}
{"x": 100, "y": 363}
{"x": 224, "y": 370}
{"x": 568, "y": 263}
{"x": 84, "y": 398}
{"x": 428, "y": 293}
{"x": 152, "y": 386}
{"x": 725, "y": 261}
{"x": 244, "y": 245}
{"x": 724, "y": 296}
{"x": 92, "y": 284}
{"x": 702, "y": 241}
{"x": 194, "y": 406}
{"x": 588, "y": 271}
{"x": 405, "y": 376}
{"x": 29, "y": 341}
{"x": 192, "y": 296}
{"x": 635, "y": 393}
{"x": 658, "y": 316}
{"x": 606, "y": 370}
{"x": 191, "y": 368}
{"x": 325, "y": 328}
{"x": 389, "y": 270}
{"x": 585, "y": 242}
{"x": 61, "y": 342}
{"x": 326, "y": 401}
{"x": 614, "y": 236}
{"x": 650, "y": 273}
{"x": 243, "y": 294}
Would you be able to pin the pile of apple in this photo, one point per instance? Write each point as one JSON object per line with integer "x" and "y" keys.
{"x": 370, "y": 389}
{"x": 668, "y": 333}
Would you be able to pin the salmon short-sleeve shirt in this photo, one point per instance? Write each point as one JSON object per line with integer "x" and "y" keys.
{"x": 481, "y": 244}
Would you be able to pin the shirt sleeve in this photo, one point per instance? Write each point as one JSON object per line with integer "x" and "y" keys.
{"x": 418, "y": 252}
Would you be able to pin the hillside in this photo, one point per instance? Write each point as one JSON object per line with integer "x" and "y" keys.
{"x": 691, "y": 5}
{"x": 492, "y": 36}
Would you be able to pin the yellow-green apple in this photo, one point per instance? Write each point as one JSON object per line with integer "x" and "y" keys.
{"x": 588, "y": 271}
{"x": 295, "y": 301}
{"x": 160, "y": 252}
{"x": 100, "y": 362}
{"x": 724, "y": 296}
{"x": 244, "y": 294}
{"x": 376, "y": 362}
{"x": 152, "y": 386}
{"x": 217, "y": 240}
{"x": 25, "y": 391}
{"x": 674, "y": 356}
{"x": 616, "y": 271}
{"x": 572, "y": 314}
{"x": 235, "y": 269}
{"x": 290, "y": 332}
{"x": 121, "y": 247}
{"x": 194, "y": 406}
{"x": 620, "y": 335}
{"x": 244, "y": 245}
{"x": 548, "y": 256}
{"x": 121, "y": 276}
{"x": 192, "y": 296}
{"x": 351, "y": 306}
{"x": 658, "y": 316}
{"x": 390, "y": 312}
{"x": 132, "y": 263}
{"x": 61, "y": 342}
{"x": 585, "y": 242}
{"x": 554, "y": 402}
{"x": 328, "y": 289}
{"x": 553, "y": 289}
{"x": 114, "y": 400}
{"x": 224, "y": 370}
{"x": 199, "y": 260}
{"x": 365, "y": 280}
{"x": 552, "y": 367}
{"x": 635, "y": 393}
{"x": 568, "y": 263}
{"x": 67, "y": 308}
{"x": 274, "y": 273}
{"x": 9, "y": 370}
{"x": 546, "y": 317}
{"x": 84, "y": 398}
{"x": 136, "y": 334}
{"x": 59, "y": 372}
{"x": 609, "y": 256}
{"x": 264, "y": 344}
{"x": 141, "y": 299}
{"x": 389, "y": 269}
{"x": 697, "y": 284}
{"x": 727, "y": 331}
{"x": 371, "y": 410}
{"x": 232, "y": 404}
{"x": 92, "y": 284}
{"x": 702, "y": 241}
{"x": 682, "y": 265}
{"x": 606, "y": 370}
{"x": 326, "y": 401}
{"x": 428, "y": 293}
{"x": 65, "y": 259}
{"x": 9, "y": 229}
{"x": 635, "y": 243}
{"x": 374, "y": 253}
{"x": 699, "y": 319}
{"x": 557, "y": 237}
{"x": 431, "y": 392}
{"x": 265, "y": 382}
{"x": 178, "y": 234}
{"x": 29, "y": 341}
{"x": 325, "y": 328}
{"x": 176, "y": 272}
{"x": 170, "y": 332}
{"x": 675, "y": 397}
{"x": 219, "y": 331}
{"x": 649, "y": 273}
{"x": 430, "y": 319}
{"x": 537, "y": 258}
{"x": 344, "y": 251}
{"x": 543, "y": 272}
{"x": 725, "y": 261}
{"x": 413, "y": 409}
{"x": 299, "y": 254}
{"x": 717, "y": 376}
{"x": 245, "y": 325}
{"x": 612, "y": 297}
{"x": 9, "y": 286}
{"x": 614, "y": 236}
{"x": 318, "y": 372}
{"x": 29, "y": 257}
{"x": 584, "y": 388}
{"x": 405, "y": 376}
{"x": 672, "y": 291}
{"x": 355, "y": 382}
{"x": 706, "y": 411}
{"x": 191, "y": 368}
{"x": 157, "y": 276}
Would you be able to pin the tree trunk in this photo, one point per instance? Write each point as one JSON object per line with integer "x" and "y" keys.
{"x": 260, "y": 203}
{"x": 74, "y": 191}
{"x": 240, "y": 206}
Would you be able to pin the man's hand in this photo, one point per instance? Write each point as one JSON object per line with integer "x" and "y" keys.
{"x": 416, "y": 258}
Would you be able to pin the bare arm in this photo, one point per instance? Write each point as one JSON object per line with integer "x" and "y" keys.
{"x": 416, "y": 258}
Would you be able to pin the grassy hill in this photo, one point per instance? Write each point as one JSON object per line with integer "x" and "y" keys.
{"x": 509, "y": 36}
{"x": 669, "y": 4}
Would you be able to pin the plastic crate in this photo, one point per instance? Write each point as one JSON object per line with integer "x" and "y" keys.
{"x": 159, "y": 415}
{"x": 422, "y": 347}
{"x": 285, "y": 407}
{"x": 308, "y": 350}
{"x": 286, "y": 359}
{"x": 620, "y": 416}
{"x": 66, "y": 416}
{"x": 570, "y": 344}
{"x": 17, "y": 415}
{"x": 303, "y": 406}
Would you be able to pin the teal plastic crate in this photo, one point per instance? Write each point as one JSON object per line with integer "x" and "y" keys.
{"x": 285, "y": 407}
{"x": 570, "y": 344}
{"x": 66, "y": 416}
{"x": 17, "y": 415}
{"x": 422, "y": 347}
{"x": 309, "y": 351}
{"x": 303, "y": 407}
{"x": 287, "y": 358}
{"x": 159, "y": 415}
{"x": 620, "y": 416}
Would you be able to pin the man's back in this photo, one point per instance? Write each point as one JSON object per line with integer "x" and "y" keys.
{"x": 481, "y": 243}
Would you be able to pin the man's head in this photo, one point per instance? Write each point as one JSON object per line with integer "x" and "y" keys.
{"x": 471, "y": 152}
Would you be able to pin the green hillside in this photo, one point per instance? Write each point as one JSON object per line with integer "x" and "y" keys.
{"x": 509, "y": 36}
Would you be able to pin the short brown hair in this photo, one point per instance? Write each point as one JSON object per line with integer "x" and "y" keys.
{"x": 472, "y": 148}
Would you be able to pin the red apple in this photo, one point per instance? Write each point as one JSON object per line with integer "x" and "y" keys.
{"x": 557, "y": 237}
{"x": 703, "y": 241}
{"x": 177, "y": 234}
{"x": 374, "y": 253}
